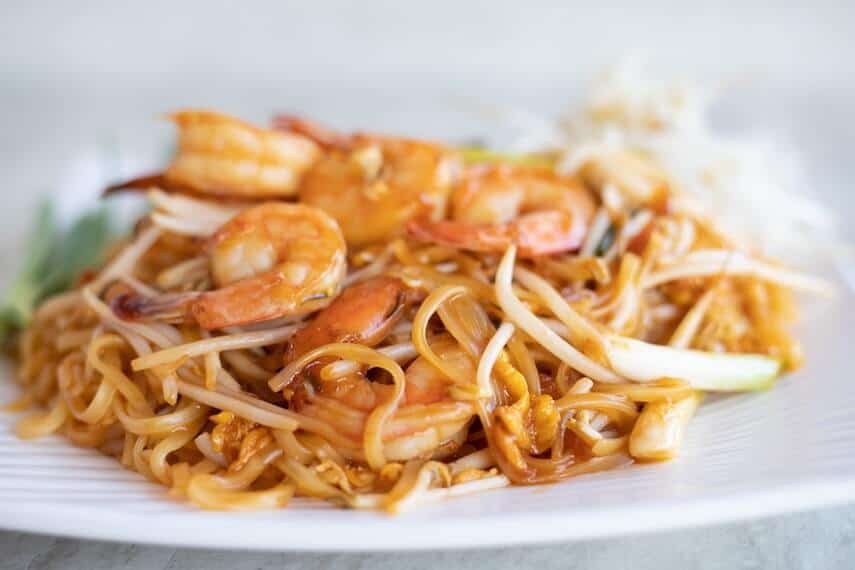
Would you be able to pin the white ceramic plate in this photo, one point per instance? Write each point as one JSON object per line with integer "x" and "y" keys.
{"x": 745, "y": 456}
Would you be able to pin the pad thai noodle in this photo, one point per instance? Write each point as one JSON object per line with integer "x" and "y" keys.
{"x": 381, "y": 322}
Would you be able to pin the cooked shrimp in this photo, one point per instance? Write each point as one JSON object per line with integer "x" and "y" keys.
{"x": 223, "y": 156}
{"x": 372, "y": 185}
{"x": 499, "y": 205}
{"x": 427, "y": 421}
{"x": 364, "y": 313}
{"x": 269, "y": 261}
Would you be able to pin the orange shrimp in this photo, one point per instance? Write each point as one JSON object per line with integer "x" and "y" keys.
{"x": 363, "y": 313}
{"x": 272, "y": 260}
{"x": 427, "y": 420}
{"x": 372, "y": 184}
{"x": 224, "y": 157}
{"x": 426, "y": 423}
{"x": 499, "y": 205}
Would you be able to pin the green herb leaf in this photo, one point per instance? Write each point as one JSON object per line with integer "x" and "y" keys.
{"x": 20, "y": 297}
{"x": 52, "y": 261}
{"x": 83, "y": 246}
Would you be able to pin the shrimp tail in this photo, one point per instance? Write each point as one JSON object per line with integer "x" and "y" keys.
{"x": 157, "y": 181}
{"x": 170, "y": 307}
{"x": 144, "y": 183}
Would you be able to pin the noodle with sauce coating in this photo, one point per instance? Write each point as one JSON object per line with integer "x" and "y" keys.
{"x": 414, "y": 327}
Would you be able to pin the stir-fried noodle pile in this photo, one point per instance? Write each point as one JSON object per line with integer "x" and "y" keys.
{"x": 382, "y": 322}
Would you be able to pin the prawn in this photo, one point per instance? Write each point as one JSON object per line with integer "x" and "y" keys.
{"x": 363, "y": 313}
{"x": 498, "y": 205}
{"x": 371, "y": 184}
{"x": 271, "y": 260}
{"x": 221, "y": 156}
{"x": 427, "y": 422}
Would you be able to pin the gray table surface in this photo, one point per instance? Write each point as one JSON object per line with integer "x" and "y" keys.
{"x": 813, "y": 540}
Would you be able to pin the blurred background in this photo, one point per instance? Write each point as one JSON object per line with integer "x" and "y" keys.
{"x": 80, "y": 77}
{"x": 81, "y": 80}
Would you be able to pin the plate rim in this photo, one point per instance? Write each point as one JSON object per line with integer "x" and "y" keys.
{"x": 215, "y": 530}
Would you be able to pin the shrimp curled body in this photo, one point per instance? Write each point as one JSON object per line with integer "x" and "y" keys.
{"x": 373, "y": 185}
{"x": 271, "y": 260}
{"x": 222, "y": 157}
{"x": 268, "y": 261}
{"x": 427, "y": 422}
{"x": 499, "y": 205}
